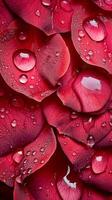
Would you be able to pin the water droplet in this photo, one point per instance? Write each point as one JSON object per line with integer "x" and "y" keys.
{"x": 108, "y": 2}
{"x": 24, "y": 60}
{"x": 90, "y": 141}
{"x": 65, "y": 5}
{"x": 62, "y": 21}
{"x": 42, "y": 162}
{"x": 29, "y": 171}
{"x": 95, "y": 29}
{"x": 17, "y": 102}
{"x": 33, "y": 153}
{"x": 13, "y": 123}
{"x": 91, "y": 83}
{"x": 99, "y": 164}
{"x": 28, "y": 153}
{"x": 57, "y": 54}
{"x": 23, "y": 79}
{"x": 90, "y": 53}
{"x": 17, "y": 157}
{"x": 37, "y": 13}
{"x": 19, "y": 179}
{"x": 81, "y": 34}
{"x": 46, "y": 2}
{"x": 42, "y": 149}
{"x": 22, "y": 36}
{"x": 35, "y": 160}
{"x": 31, "y": 86}
{"x": 104, "y": 124}
{"x": 2, "y": 116}
{"x": 2, "y": 109}
{"x": 40, "y": 188}
{"x": 74, "y": 115}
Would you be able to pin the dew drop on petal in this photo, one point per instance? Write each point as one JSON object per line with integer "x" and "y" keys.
{"x": 23, "y": 79}
{"x": 13, "y": 123}
{"x": 17, "y": 157}
{"x": 65, "y": 5}
{"x": 91, "y": 83}
{"x": 90, "y": 141}
{"x": 22, "y": 36}
{"x": 24, "y": 60}
{"x": 37, "y": 13}
{"x": 95, "y": 29}
{"x": 18, "y": 179}
{"x": 46, "y": 3}
{"x": 99, "y": 164}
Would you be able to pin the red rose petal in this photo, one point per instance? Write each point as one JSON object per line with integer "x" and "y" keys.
{"x": 100, "y": 174}
{"x": 7, "y": 170}
{"x": 21, "y": 120}
{"x": 78, "y": 155}
{"x": 93, "y": 90}
{"x": 104, "y": 4}
{"x": 90, "y": 194}
{"x": 50, "y": 16}
{"x": 30, "y": 63}
{"x": 69, "y": 190}
{"x": 91, "y": 35}
{"x": 37, "y": 153}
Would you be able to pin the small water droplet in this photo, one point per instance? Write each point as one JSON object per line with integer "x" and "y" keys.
{"x": 25, "y": 161}
{"x": 40, "y": 188}
{"x": 28, "y": 153}
{"x": 99, "y": 164}
{"x": 42, "y": 149}
{"x": 35, "y": 160}
{"x": 19, "y": 179}
{"x": 81, "y": 34}
{"x": 74, "y": 115}
{"x": 23, "y": 79}
{"x": 24, "y": 60}
{"x": 65, "y": 5}
{"x": 90, "y": 141}
{"x": 2, "y": 109}
{"x": 37, "y": 13}
{"x": 2, "y": 116}
{"x": 42, "y": 161}
{"x": 17, "y": 157}
{"x": 13, "y": 123}
{"x": 90, "y": 53}
{"x": 33, "y": 153}
{"x": 29, "y": 171}
{"x": 31, "y": 86}
{"x": 57, "y": 54}
{"x": 22, "y": 36}
{"x": 62, "y": 21}
{"x": 95, "y": 29}
{"x": 104, "y": 124}
{"x": 46, "y": 2}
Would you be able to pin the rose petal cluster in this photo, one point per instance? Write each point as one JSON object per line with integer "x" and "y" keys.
{"x": 56, "y": 100}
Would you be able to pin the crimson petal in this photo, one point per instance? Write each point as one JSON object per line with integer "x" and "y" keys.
{"x": 37, "y": 153}
{"x": 29, "y": 64}
{"x": 91, "y": 35}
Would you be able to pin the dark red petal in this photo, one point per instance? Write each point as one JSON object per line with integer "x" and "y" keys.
{"x": 21, "y": 120}
{"x": 104, "y": 4}
{"x": 7, "y": 170}
{"x": 69, "y": 187}
{"x": 5, "y": 17}
{"x": 37, "y": 153}
{"x": 70, "y": 98}
{"x": 50, "y": 16}
{"x": 90, "y": 194}
{"x": 91, "y": 35}
{"x": 21, "y": 192}
{"x": 78, "y": 154}
{"x": 30, "y": 63}
{"x": 42, "y": 184}
{"x": 5, "y": 192}
{"x": 100, "y": 173}
{"x": 93, "y": 89}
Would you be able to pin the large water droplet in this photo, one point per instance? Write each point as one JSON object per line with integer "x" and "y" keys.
{"x": 65, "y": 5}
{"x": 91, "y": 83}
{"x": 17, "y": 157}
{"x": 95, "y": 29}
{"x": 24, "y": 60}
{"x": 23, "y": 79}
{"x": 108, "y": 2}
{"x": 46, "y": 2}
{"x": 99, "y": 164}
